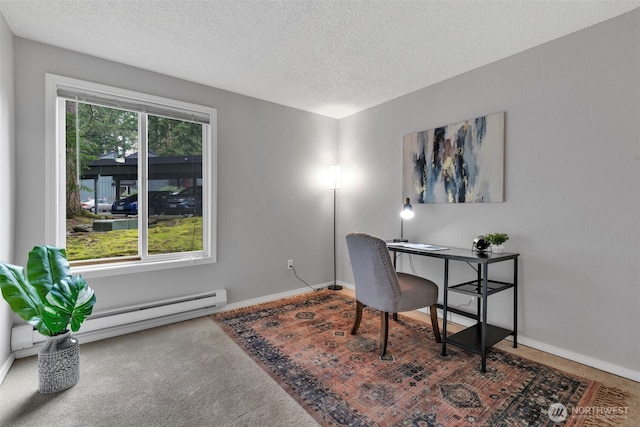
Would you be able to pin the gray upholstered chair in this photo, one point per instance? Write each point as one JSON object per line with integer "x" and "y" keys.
{"x": 379, "y": 286}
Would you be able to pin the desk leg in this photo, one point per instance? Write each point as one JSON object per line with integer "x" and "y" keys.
{"x": 515, "y": 303}
{"x": 479, "y": 290}
{"x": 444, "y": 307}
{"x": 483, "y": 348}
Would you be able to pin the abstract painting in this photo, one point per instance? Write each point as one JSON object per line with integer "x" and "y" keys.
{"x": 457, "y": 163}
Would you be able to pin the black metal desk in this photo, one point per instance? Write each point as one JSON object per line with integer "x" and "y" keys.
{"x": 479, "y": 337}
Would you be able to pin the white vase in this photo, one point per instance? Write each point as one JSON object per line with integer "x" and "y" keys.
{"x": 497, "y": 249}
{"x": 58, "y": 363}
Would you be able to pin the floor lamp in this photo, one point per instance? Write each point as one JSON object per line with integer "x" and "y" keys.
{"x": 334, "y": 184}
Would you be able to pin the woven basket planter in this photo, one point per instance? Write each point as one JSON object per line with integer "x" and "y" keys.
{"x": 59, "y": 363}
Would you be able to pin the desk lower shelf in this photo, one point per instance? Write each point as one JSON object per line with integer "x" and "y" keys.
{"x": 471, "y": 338}
{"x": 474, "y": 289}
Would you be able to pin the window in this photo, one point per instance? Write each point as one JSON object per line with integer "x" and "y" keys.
{"x": 132, "y": 184}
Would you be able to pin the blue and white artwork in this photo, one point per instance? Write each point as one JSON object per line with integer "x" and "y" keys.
{"x": 458, "y": 163}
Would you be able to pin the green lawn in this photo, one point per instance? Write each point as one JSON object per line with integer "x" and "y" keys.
{"x": 166, "y": 235}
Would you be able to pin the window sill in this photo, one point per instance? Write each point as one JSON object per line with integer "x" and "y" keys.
{"x": 117, "y": 268}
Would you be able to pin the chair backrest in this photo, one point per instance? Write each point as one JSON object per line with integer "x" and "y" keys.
{"x": 375, "y": 277}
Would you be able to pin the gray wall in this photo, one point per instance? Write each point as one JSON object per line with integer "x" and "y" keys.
{"x": 272, "y": 205}
{"x": 7, "y": 149}
{"x": 571, "y": 185}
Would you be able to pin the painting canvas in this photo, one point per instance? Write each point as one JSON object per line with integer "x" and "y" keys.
{"x": 457, "y": 163}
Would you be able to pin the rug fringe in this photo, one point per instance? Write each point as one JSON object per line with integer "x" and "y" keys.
{"x": 610, "y": 396}
{"x": 607, "y": 397}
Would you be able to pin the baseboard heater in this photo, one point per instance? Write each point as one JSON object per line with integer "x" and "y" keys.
{"x": 26, "y": 341}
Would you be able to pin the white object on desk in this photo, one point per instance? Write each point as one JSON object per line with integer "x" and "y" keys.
{"x": 420, "y": 246}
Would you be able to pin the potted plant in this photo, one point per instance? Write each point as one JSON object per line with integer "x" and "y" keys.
{"x": 496, "y": 240}
{"x": 54, "y": 301}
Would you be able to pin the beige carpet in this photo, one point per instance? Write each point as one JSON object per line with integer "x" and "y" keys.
{"x": 185, "y": 374}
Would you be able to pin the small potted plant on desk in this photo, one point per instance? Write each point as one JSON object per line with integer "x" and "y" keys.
{"x": 497, "y": 241}
{"x": 52, "y": 300}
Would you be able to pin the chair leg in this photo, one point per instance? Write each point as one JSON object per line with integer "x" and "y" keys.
{"x": 384, "y": 332}
{"x": 434, "y": 322}
{"x": 395, "y": 317}
{"x": 356, "y": 323}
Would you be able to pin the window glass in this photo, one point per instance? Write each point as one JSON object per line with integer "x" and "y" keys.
{"x": 99, "y": 141}
{"x": 104, "y": 165}
{"x": 175, "y": 169}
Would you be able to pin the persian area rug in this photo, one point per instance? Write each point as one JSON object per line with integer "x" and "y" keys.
{"x": 305, "y": 344}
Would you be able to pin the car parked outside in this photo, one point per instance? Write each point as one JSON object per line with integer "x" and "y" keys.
{"x": 90, "y": 205}
{"x": 129, "y": 205}
{"x": 158, "y": 201}
{"x": 186, "y": 202}
{"x": 126, "y": 206}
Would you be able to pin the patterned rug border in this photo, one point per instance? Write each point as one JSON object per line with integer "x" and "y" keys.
{"x": 596, "y": 394}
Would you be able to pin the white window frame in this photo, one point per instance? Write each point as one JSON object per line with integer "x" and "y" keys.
{"x": 55, "y": 197}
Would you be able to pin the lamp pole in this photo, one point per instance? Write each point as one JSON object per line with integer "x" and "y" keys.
{"x": 335, "y": 184}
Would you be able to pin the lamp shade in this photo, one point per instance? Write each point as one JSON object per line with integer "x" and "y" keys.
{"x": 407, "y": 210}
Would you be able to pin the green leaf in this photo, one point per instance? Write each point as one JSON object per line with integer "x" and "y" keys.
{"x": 48, "y": 297}
{"x": 22, "y": 296}
{"x": 47, "y": 265}
{"x": 68, "y": 302}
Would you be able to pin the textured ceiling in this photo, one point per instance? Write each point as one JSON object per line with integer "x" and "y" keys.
{"x": 329, "y": 57}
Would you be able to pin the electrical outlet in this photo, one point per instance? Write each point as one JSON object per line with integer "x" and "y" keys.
{"x": 290, "y": 264}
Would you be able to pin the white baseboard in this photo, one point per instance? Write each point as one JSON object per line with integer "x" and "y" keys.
{"x": 580, "y": 358}
{"x": 566, "y": 354}
{"x": 273, "y": 297}
{"x": 347, "y": 285}
{"x": 6, "y": 366}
